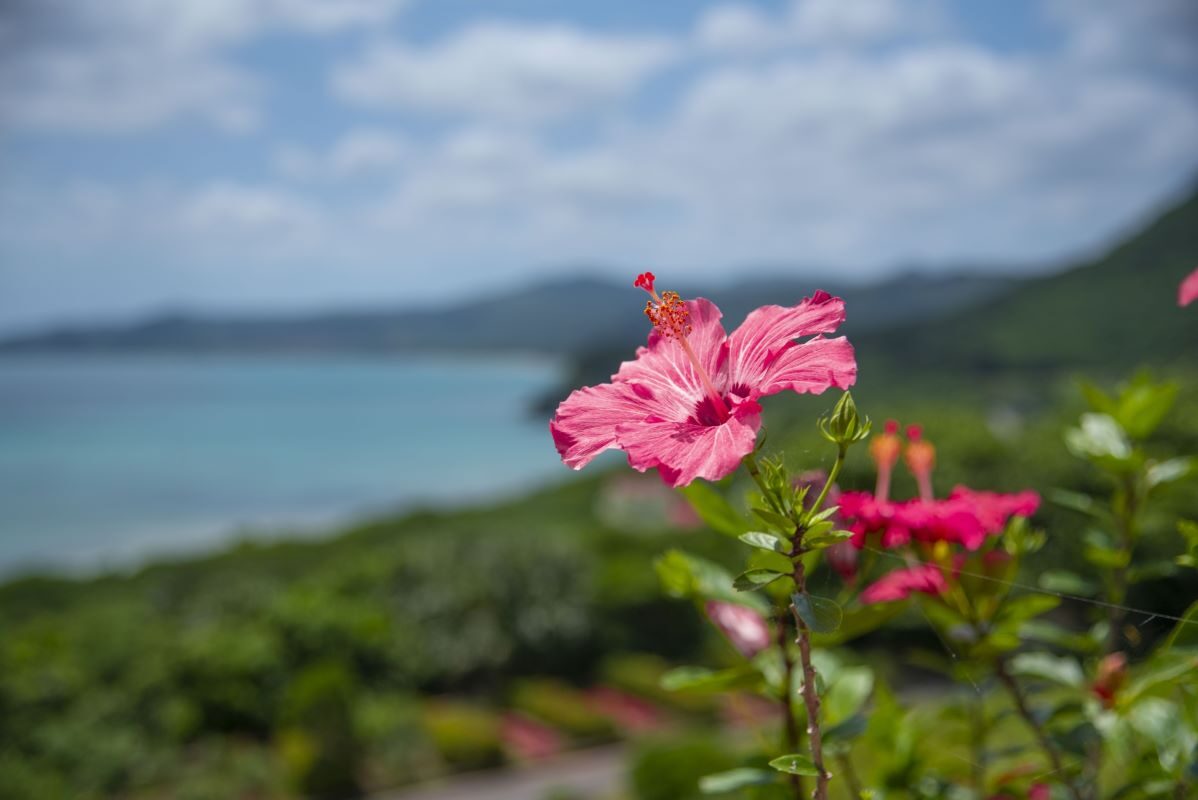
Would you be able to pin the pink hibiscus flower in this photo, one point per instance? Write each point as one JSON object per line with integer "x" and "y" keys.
{"x": 687, "y": 405}
{"x": 1188, "y": 291}
{"x": 966, "y": 517}
{"x": 902, "y": 583}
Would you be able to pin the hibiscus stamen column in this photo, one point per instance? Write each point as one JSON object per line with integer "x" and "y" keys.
{"x": 671, "y": 320}
{"x": 885, "y": 449}
{"x": 921, "y": 457}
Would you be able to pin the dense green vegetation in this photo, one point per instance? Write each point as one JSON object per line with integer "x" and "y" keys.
{"x": 384, "y": 653}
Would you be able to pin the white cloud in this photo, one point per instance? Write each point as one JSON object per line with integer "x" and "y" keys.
{"x": 131, "y": 65}
{"x": 515, "y": 73}
{"x": 816, "y": 24}
{"x": 737, "y": 27}
{"x": 118, "y": 89}
{"x": 230, "y": 210}
{"x": 359, "y": 152}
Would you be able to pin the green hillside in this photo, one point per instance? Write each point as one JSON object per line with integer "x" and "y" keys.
{"x": 1105, "y": 315}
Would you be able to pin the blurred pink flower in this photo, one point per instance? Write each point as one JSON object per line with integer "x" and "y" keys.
{"x": 965, "y": 517}
{"x": 1188, "y": 291}
{"x": 842, "y": 557}
{"x": 1109, "y": 678}
{"x": 744, "y": 710}
{"x": 1039, "y": 791}
{"x": 902, "y": 583}
{"x": 528, "y": 739}
{"x": 744, "y": 627}
{"x": 687, "y": 404}
{"x": 627, "y": 711}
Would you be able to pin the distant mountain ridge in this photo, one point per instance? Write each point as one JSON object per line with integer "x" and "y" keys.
{"x": 1109, "y": 313}
{"x": 563, "y": 318}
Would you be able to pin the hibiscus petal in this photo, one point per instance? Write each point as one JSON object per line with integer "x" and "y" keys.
{"x": 665, "y": 378}
{"x": 683, "y": 451}
{"x": 770, "y": 331}
{"x": 812, "y": 366}
{"x": 585, "y": 423}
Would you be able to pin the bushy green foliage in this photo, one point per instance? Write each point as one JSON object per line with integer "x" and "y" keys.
{"x": 562, "y": 706}
{"x": 466, "y": 735}
{"x": 670, "y": 768}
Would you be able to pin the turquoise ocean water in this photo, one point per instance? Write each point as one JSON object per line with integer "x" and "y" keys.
{"x": 107, "y": 460}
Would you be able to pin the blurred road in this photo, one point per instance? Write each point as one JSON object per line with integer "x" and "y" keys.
{"x": 594, "y": 772}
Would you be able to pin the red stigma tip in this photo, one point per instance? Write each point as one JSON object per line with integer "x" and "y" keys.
{"x": 645, "y": 281}
{"x": 914, "y": 433}
{"x": 892, "y": 427}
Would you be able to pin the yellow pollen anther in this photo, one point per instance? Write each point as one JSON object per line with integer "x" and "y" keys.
{"x": 669, "y": 315}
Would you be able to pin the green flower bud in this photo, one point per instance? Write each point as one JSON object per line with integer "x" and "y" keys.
{"x": 844, "y": 426}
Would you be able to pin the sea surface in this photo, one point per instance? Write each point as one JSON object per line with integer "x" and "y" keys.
{"x": 108, "y": 460}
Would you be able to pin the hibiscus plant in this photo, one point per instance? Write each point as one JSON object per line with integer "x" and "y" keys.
{"x": 1043, "y": 712}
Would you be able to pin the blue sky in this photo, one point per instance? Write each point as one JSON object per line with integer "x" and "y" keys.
{"x": 296, "y": 154}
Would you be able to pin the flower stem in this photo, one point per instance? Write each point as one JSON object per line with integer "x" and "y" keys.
{"x": 791, "y": 744}
{"x": 810, "y": 695}
{"x": 832, "y": 476}
{"x": 1125, "y": 514}
{"x": 1046, "y": 744}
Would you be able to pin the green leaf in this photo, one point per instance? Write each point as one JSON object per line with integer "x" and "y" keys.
{"x": 1164, "y": 671}
{"x": 1024, "y": 607}
{"x": 1106, "y": 557}
{"x": 701, "y": 679}
{"x": 1168, "y": 471}
{"x": 847, "y": 729}
{"x": 820, "y": 528}
{"x": 795, "y": 764}
{"x": 821, "y": 614}
{"x": 1048, "y": 633}
{"x": 1099, "y": 400}
{"x": 850, "y": 689}
{"x": 766, "y": 541}
{"x": 1151, "y": 571}
{"x": 1143, "y": 405}
{"x": 1060, "y": 580}
{"x": 734, "y": 779}
{"x": 755, "y": 579}
{"x": 815, "y": 517}
{"x": 775, "y": 520}
{"x": 826, "y": 539}
{"x": 1064, "y": 671}
{"x": 693, "y": 578}
{"x": 1099, "y": 437}
{"x": 714, "y": 509}
{"x": 1081, "y": 503}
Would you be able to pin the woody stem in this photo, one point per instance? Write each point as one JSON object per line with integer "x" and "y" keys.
{"x": 810, "y": 694}
{"x": 1046, "y": 743}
